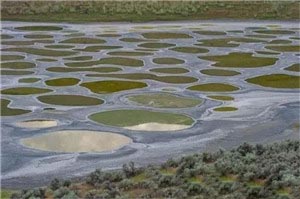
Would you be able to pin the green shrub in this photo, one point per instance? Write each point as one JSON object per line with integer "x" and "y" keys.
{"x": 55, "y": 184}
{"x": 64, "y": 193}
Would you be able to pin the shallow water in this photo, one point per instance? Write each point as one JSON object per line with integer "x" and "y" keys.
{"x": 37, "y": 124}
{"x": 127, "y": 118}
{"x": 77, "y": 141}
{"x": 213, "y": 88}
{"x": 164, "y": 100}
{"x": 152, "y": 126}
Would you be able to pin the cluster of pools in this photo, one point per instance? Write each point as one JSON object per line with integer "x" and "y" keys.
{"x": 135, "y": 78}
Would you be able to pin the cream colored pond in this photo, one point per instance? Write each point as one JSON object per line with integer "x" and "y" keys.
{"x": 152, "y": 126}
{"x": 36, "y": 124}
{"x": 77, "y": 141}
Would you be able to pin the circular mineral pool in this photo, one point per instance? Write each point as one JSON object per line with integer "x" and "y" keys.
{"x": 77, "y": 141}
{"x": 36, "y": 124}
{"x": 143, "y": 120}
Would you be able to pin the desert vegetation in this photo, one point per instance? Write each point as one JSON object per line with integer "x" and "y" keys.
{"x": 246, "y": 172}
{"x": 79, "y": 11}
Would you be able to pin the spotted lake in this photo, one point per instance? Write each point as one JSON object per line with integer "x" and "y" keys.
{"x": 76, "y": 97}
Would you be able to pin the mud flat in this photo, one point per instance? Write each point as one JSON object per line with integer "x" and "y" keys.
{"x": 99, "y": 96}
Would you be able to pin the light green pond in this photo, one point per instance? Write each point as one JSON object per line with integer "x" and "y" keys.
{"x": 240, "y": 60}
{"x": 214, "y": 87}
{"x": 285, "y": 48}
{"x": 14, "y": 72}
{"x": 276, "y": 81}
{"x": 164, "y": 100}
{"x": 127, "y": 118}
{"x": 11, "y": 57}
{"x": 18, "y": 65}
{"x": 29, "y": 80}
{"x": 294, "y": 67}
{"x": 75, "y": 34}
